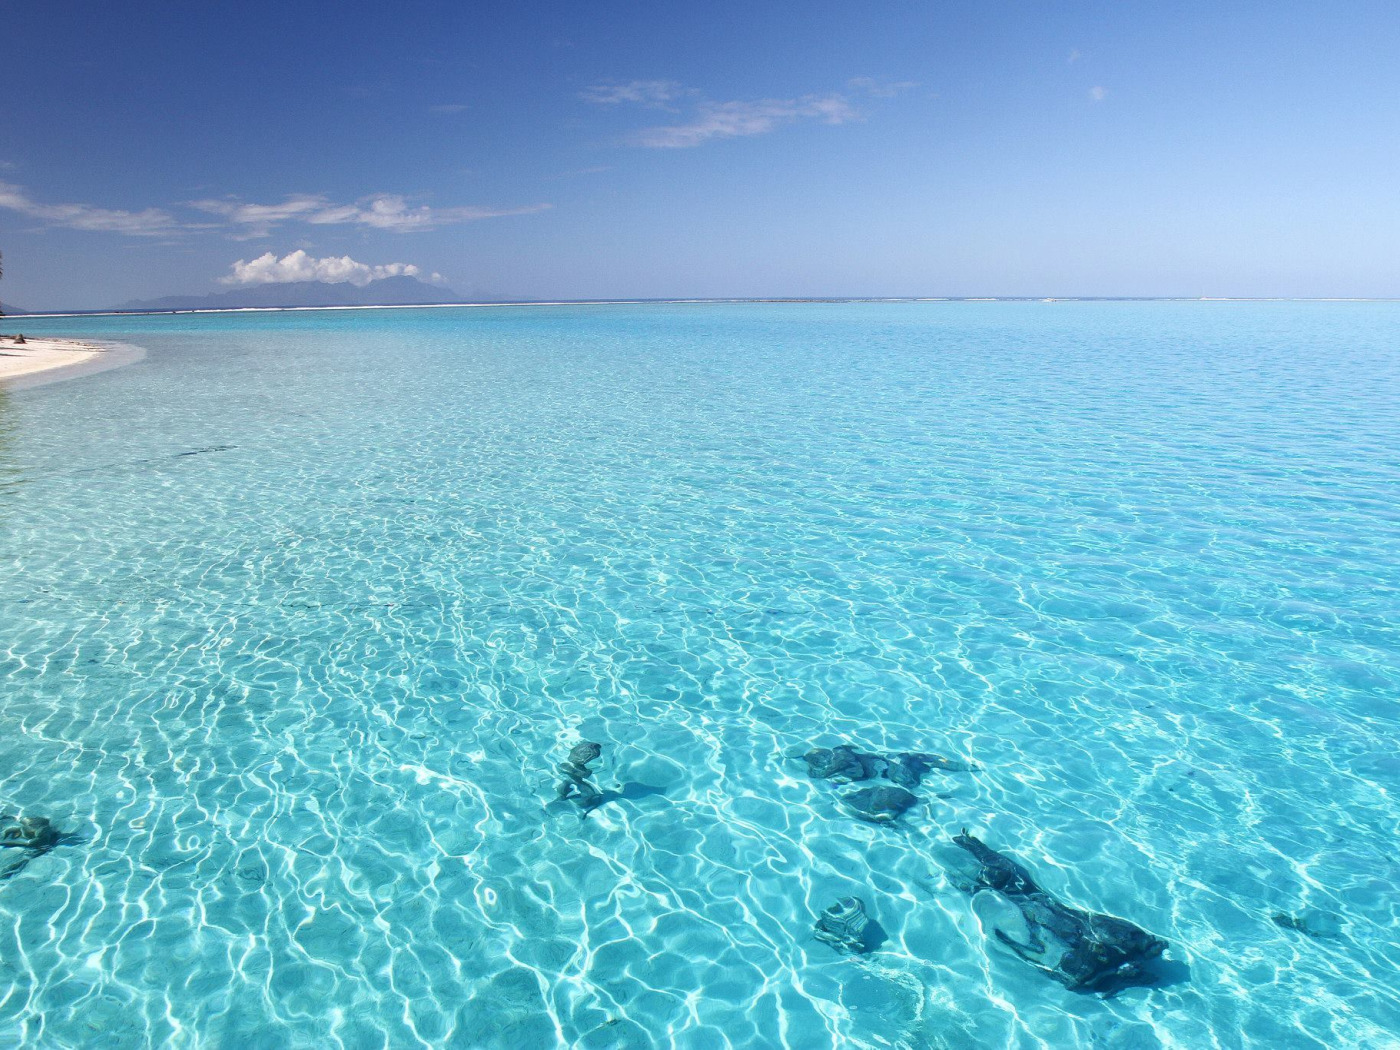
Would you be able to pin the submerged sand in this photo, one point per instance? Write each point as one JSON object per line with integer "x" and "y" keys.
{"x": 42, "y": 355}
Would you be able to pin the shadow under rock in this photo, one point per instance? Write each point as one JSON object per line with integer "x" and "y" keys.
{"x": 621, "y": 793}
{"x": 1164, "y": 973}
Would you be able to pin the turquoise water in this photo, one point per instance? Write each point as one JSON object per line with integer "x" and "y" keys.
{"x": 299, "y": 700}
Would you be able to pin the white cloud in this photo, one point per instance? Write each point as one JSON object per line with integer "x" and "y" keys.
{"x": 257, "y": 220}
{"x": 386, "y": 211}
{"x": 877, "y": 88}
{"x": 392, "y": 212}
{"x": 258, "y": 214}
{"x": 597, "y": 169}
{"x": 298, "y": 266}
{"x": 1075, "y": 56}
{"x": 450, "y": 107}
{"x": 643, "y": 92}
{"x": 147, "y": 223}
{"x": 1098, "y": 93}
{"x": 722, "y": 120}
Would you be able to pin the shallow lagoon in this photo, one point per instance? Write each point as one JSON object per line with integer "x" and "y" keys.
{"x": 300, "y": 699}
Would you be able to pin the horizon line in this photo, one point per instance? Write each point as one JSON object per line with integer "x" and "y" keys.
{"x": 717, "y": 300}
{"x": 720, "y": 300}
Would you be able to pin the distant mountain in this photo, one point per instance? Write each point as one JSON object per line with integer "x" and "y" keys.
{"x": 10, "y": 310}
{"x": 388, "y": 291}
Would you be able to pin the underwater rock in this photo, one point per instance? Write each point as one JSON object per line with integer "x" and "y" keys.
{"x": 28, "y": 837}
{"x": 1084, "y": 951}
{"x": 576, "y": 774}
{"x": 844, "y": 764}
{"x": 880, "y": 805}
{"x": 576, "y": 765}
{"x": 908, "y": 769}
{"x": 1311, "y": 922}
{"x": 840, "y": 763}
{"x": 917, "y": 763}
{"x": 847, "y": 928}
{"x": 32, "y": 833}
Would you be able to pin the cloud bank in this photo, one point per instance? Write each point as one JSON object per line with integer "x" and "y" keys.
{"x": 385, "y": 211}
{"x": 298, "y": 266}
{"x": 725, "y": 120}
{"x": 148, "y": 223}
{"x": 712, "y": 120}
{"x": 244, "y": 221}
{"x": 877, "y": 88}
{"x": 642, "y": 92}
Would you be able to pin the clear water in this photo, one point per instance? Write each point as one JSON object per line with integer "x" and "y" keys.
{"x": 300, "y": 700}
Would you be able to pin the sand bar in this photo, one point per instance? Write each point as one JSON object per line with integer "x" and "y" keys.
{"x": 34, "y": 355}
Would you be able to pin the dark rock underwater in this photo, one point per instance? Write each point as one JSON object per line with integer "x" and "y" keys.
{"x": 1084, "y": 951}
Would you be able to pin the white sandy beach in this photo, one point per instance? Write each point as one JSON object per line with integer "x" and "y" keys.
{"x": 41, "y": 355}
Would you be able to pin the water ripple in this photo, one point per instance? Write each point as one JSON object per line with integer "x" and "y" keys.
{"x": 298, "y": 700}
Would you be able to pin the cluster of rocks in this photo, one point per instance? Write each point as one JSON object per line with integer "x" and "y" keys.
{"x": 878, "y": 803}
{"x": 843, "y": 764}
{"x": 845, "y": 925}
{"x": 1085, "y": 951}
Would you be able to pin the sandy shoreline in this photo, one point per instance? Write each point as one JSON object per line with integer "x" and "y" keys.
{"x": 35, "y": 355}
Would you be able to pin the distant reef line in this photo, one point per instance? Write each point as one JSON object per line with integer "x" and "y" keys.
{"x": 718, "y": 300}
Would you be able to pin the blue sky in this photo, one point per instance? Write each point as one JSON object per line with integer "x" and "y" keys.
{"x": 602, "y": 149}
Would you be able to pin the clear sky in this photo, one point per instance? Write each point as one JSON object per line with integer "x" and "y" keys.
{"x": 607, "y": 149}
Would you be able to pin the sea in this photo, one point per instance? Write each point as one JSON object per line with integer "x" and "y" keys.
{"x": 303, "y": 614}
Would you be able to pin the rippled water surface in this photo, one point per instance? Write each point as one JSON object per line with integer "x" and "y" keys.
{"x": 298, "y": 700}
